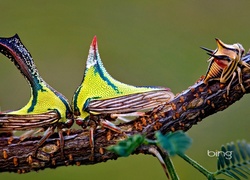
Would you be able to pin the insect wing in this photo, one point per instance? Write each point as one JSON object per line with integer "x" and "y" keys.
{"x": 10, "y": 122}
{"x": 130, "y": 103}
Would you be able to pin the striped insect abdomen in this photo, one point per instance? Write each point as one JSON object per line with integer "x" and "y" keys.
{"x": 214, "y": 71}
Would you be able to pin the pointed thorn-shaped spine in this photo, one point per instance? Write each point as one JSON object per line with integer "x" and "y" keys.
{"x": 211, "y": 54}
{"x": 206, "y": 49}
{"x": 14, "y": 49}
{"x": 219, "y": 42}
{"x": 222, "y": 45}
{"x": 94, "y": 43}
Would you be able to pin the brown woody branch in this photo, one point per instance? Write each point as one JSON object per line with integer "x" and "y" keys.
{"x": 189, "y": 108}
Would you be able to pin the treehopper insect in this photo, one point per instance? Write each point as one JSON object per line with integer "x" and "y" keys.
{"x": 100, "y": 99}
{"x": 225, "y": 61}
{"x": 46, "y": 110}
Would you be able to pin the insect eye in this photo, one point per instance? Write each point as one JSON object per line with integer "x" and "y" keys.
{"x": 242, "y": 51}
{"x": 237, "y": 51}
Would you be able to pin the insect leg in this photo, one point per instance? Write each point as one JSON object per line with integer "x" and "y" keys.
{"x": 92, "y": 143}
{"x": 46, "y": 135}
{"x": 240, "y": 79}
{"x": 27, "y": 134}
{"x": 128, "y": 114}
{"x": 93, "y": 126}
{"x": 106, "y": 124}
{"x": 245, "y": 64}
{"x": 229, "y": 84}
{"x": 60, "y": 133}
{"x": 123, "y": 118}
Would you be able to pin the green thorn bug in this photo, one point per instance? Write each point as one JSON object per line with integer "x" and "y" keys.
{"x": 101, "y": 99}
{"x": 47, "y": 109}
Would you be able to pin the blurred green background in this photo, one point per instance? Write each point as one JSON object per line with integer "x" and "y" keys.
{"x": 141, "y": 43}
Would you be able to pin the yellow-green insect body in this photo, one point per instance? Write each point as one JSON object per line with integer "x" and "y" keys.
{"x": 98, "y": 87}
{"x": 100, "y": 98}
{"x": 44, "y": 99}
{"x": 46, "y": 109}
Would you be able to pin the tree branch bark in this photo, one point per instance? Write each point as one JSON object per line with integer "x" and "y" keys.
{"x": 188, "y": 108}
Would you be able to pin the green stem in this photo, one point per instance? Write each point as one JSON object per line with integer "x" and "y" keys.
{"x": 197, "y": 166}
{"x": 150, "y": 142}
{"x": 164, "y": 159}
{"x": 170, "y": 167}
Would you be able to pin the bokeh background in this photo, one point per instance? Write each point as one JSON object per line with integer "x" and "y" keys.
{"x": 141, "y": 43}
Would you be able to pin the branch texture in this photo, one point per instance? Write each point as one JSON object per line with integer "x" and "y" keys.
{"x": 188, "y": 108}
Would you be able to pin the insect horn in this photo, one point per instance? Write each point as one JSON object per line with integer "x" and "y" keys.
{"x": 94, "y": 43}
{"x": 220, "y": 43}
{"x": 13, "y": 49}
{"x": 222, "y": 46}
{"x": 206, "y": 49}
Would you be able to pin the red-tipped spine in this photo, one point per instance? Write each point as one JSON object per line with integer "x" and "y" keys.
{"x": 94, "y": 43}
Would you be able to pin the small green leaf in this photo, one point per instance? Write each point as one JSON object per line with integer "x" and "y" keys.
{"x": 126, "y": 147}
{"x": 236, "y": 153}
{"x": 239, "y": 173}
{"x": 248, "y": 150}
{"x": 221, "y": 162}
{"x": 236, "y": 164}
{"x": 231, "y": 174}
{"x": 174, "y": 142}
{"x": 230, "y": 148}
{"x": 241, "y": 145}
{"x": 226, "y": 160}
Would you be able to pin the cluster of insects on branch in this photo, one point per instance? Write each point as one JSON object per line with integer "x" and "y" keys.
{"x": 100, "y": 100}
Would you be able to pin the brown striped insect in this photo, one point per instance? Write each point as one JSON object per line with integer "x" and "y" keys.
{"x": 225, "y": 61}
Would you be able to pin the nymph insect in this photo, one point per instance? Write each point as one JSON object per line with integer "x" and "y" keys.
{"x": 225, "y": 61}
